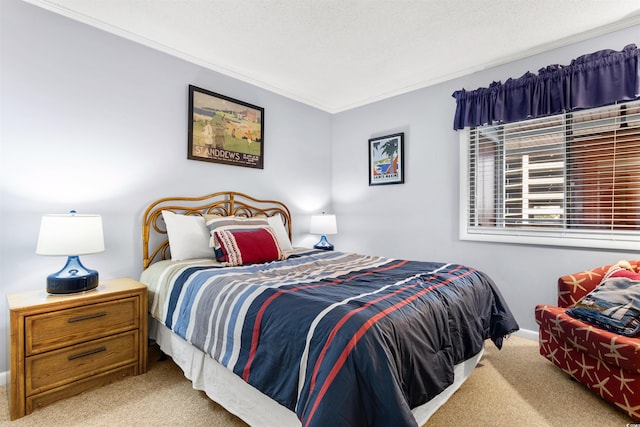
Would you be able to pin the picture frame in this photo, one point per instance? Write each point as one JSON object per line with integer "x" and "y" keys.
{"x": 224, "y": 130}
{"x": 386, "y": 159}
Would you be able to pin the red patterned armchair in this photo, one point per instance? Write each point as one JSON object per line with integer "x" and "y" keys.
{"x": 607, "y": 363}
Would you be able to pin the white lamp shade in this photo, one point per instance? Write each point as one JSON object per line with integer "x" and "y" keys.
{"x": 70, "y": 235}
{"x": 323, "y": 224}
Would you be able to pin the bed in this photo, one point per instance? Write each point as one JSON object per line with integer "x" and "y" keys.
{"x": 285, "y": 336}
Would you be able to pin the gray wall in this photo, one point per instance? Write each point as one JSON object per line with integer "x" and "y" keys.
{"x": 419, "y": 219}
{"x": 97, "y": 123}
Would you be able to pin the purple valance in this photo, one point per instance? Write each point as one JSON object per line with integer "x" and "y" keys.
{"x": 592, "y": 80}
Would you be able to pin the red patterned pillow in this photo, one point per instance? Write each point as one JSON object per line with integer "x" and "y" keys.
{"x": 224, "y": 222}
{"x": 248, "y": 245}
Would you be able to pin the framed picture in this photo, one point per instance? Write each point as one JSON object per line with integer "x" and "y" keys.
{"x": 386, "y": 160}
{"x": 225, "y": 130}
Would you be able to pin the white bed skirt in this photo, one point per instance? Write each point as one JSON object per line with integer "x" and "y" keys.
{"x": 256, "y": 409}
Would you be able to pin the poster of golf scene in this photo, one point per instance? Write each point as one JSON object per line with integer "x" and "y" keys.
{"x": 224, "y": 130}
{"x": 386, "y": 160}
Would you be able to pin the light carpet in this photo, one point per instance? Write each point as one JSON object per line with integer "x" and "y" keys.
{"x": 512, "y": 387}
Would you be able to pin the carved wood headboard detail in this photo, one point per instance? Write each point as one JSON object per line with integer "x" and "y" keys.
{"x": 155, "y": 243}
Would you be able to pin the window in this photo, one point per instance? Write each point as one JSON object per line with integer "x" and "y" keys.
{"x": 569, "y": 180}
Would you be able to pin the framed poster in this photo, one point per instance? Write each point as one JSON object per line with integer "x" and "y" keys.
{"x": 386, "y": 160}
{"x": 225, "y": 130}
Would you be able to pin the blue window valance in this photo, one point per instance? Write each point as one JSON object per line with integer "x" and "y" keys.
{"x": 592, "y": 80}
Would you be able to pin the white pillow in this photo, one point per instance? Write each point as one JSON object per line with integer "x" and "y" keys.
{"x": 188, "y": 236}
{"x": 281, "y": 233}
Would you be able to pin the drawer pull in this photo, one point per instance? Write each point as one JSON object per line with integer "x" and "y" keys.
{"x": 90, "y": 316}
{"x": 87, "y": 353}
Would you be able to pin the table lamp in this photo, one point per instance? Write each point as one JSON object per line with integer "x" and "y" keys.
{"x": 71, "y": 235}
{"x": 323, "y": 224}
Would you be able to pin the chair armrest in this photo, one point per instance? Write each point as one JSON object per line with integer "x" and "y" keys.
{"x": 572, "y": 287}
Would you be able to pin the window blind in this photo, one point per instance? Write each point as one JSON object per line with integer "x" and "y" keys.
{"x": 576, "y": 173}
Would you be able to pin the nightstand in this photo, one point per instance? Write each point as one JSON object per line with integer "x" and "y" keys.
{"x": 62, "y": 345}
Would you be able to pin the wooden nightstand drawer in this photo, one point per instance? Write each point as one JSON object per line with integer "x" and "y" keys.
{"x": 66, "y": 327}
{"x": 55, "y": 368}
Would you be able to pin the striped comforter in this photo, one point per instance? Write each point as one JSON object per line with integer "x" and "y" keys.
{"x": 339, "y": 338}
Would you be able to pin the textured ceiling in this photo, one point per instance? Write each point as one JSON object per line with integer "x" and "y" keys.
{"x": 340, "y": 54}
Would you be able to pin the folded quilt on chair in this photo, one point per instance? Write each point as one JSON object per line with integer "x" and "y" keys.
{"x": 613, "y": 305}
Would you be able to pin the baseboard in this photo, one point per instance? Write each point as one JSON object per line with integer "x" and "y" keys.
{"x": 3, "y": 378}
{"x": 525, "y": 333}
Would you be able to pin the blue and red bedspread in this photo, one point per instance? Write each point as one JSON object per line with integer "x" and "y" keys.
{"x": 339, "y": 338}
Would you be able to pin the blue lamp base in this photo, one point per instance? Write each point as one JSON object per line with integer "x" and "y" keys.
{"x": 73, "y": 277}
{"x": 323, "y": 244}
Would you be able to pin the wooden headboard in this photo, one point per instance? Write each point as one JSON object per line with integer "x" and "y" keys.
{"x": 155, "y": 243}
